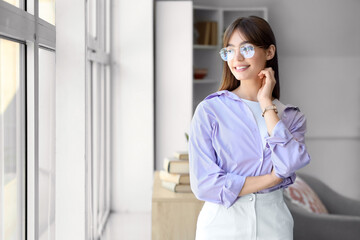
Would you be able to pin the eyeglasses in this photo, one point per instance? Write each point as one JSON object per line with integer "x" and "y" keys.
{"x": 246, "y": 50}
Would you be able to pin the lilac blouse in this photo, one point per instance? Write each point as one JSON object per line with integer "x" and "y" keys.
{"x": 225, "y": 147}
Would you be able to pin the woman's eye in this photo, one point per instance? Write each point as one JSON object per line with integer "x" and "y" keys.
{"x": 230, "y": 51}
{"x": 246, "y": 49}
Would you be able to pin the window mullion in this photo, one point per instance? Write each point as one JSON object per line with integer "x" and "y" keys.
{"x": 30, "y": 88}
{"x": 23, "y": 142}
{"x": 20, "y": 131}
{"x": 46, "y": 33}
{"x": 16, "y": 23}
{"x": 36, "y": 122}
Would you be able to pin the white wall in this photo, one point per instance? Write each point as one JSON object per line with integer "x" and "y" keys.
{"x": 174, "y": 64}
{"x": 319, "y": 56}
{"x": 133, "y": 106}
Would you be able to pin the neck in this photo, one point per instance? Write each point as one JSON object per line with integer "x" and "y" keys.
{"x": 248, "y": 89}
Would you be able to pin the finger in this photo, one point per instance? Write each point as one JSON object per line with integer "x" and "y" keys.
{"x": 268, "y": 74}
{"x": 261, "y": 75}
{"x": 269, "y": 69}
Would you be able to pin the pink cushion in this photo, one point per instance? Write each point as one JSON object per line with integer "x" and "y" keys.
{"x": 301, "y": 194}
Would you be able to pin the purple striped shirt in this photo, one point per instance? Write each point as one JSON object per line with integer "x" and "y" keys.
{"x": 225, "y": 147}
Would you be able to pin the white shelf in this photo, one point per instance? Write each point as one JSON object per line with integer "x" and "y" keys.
{"x": 202, "y": 81}
{"x": 207, "y": 56}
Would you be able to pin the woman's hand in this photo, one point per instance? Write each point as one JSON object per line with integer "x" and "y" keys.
{"x": 267, "y": 77}
{"x": 277, "y": 180}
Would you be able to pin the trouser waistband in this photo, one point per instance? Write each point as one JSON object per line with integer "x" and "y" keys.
{"x": 271, "y": 196}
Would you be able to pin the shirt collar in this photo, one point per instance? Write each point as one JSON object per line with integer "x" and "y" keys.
{"x": 226, "y": 93}
{"x": 236, "y": 97}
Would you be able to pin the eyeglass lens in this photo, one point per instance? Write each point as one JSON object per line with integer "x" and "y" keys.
{"x": 228, "y": 53}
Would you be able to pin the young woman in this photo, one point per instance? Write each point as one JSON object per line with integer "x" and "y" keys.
{"x": 244, "y": 144}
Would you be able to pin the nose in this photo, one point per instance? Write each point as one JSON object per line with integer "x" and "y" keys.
{"x": 238, "y": 55}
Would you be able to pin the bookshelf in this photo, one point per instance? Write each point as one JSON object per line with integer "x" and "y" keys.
{"x": 206, "y": 56}
{"x": 177, "y": 54}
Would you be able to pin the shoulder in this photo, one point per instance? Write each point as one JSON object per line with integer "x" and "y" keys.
{"x": 215, "y": 95}
{"x": 212, "y": 101}
{"x": 207, "y": 108}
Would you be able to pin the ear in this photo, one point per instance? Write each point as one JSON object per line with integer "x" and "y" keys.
{"x": 270, "y": 52}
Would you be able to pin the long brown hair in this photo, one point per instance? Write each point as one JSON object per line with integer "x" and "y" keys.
{"x": 258, "y": 32}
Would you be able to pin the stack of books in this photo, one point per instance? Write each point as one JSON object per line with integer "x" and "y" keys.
{"x": 206, "y": 33}
{"x": 175, "y": 175}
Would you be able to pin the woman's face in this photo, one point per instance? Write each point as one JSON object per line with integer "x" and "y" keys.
{"x": 245, "y": 68}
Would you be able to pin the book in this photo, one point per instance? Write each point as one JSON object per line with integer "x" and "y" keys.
{"x": 214, "y": 33}
{"x": 201, "y": 29}
{"x": 178, "y": 188}
{"x": 207, "y": 33}
{"x": 182, "y": 155}
{"x": 174, "y": 165}
{"x": 175, "y": 178}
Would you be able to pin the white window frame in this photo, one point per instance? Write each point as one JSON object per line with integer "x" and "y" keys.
{"x": 25, "y": 26}
{"x": 98, "y": 53}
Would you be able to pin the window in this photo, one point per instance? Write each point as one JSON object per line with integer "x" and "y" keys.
{"x": 47, "y": 10}
{"x": 46, "y": 170}
{"x": 12, "y": 140}
{"x": 16, "y": 3}
{"x": 27, "y": 106}
{"x": 27, "y": 118}
{"x": 99, "y": 102}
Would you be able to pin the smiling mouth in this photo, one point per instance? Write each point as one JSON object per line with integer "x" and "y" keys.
{"x": 242, "y": 68}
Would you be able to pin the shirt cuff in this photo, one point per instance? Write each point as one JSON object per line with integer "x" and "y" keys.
{"x": 284, "y": 184}
{"x": 280, "y": 135}
{"x": 232, "y": 187}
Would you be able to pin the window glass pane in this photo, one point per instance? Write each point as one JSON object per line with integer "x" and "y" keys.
{"x": 108, "y": 135}
{"x": 92, "y": 18}
{"x": 11, "y": 140}
{"x": 47, "y": 10}
{"x": 13, "y": 2}
{"x": 99, "y": 144}
{"x": 102, "y": 161}
{"x": 96, "y": 155}
{"x": 107, "y": 27}
{"x": 46, "y": 169}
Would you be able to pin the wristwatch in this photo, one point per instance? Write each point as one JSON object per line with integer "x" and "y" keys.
{"x": 271, "y": 107}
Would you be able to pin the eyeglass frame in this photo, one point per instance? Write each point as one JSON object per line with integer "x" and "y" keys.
{"x": 236, "y": 48}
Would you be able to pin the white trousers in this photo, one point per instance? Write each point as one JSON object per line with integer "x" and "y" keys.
{"x": 252, "y": 217}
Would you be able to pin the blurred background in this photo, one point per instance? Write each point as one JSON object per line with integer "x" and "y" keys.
{"x": 95, "y": 94}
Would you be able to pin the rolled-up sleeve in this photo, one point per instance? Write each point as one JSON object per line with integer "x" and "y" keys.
{"x": 288, "y": 149}
{"x": 208, "y": 181}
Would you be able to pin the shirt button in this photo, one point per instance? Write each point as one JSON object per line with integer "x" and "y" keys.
{"x": 250, "y": 198}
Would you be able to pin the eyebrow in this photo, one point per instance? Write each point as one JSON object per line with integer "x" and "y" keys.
{"x": 232, "y": 45}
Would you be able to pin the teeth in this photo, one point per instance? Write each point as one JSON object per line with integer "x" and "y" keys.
{"x": 242, "y": 67}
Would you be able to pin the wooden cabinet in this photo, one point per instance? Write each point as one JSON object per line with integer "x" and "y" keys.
{"x": 174, "y": 215}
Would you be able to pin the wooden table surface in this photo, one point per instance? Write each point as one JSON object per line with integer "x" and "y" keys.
{"x": 174, "y": 215}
